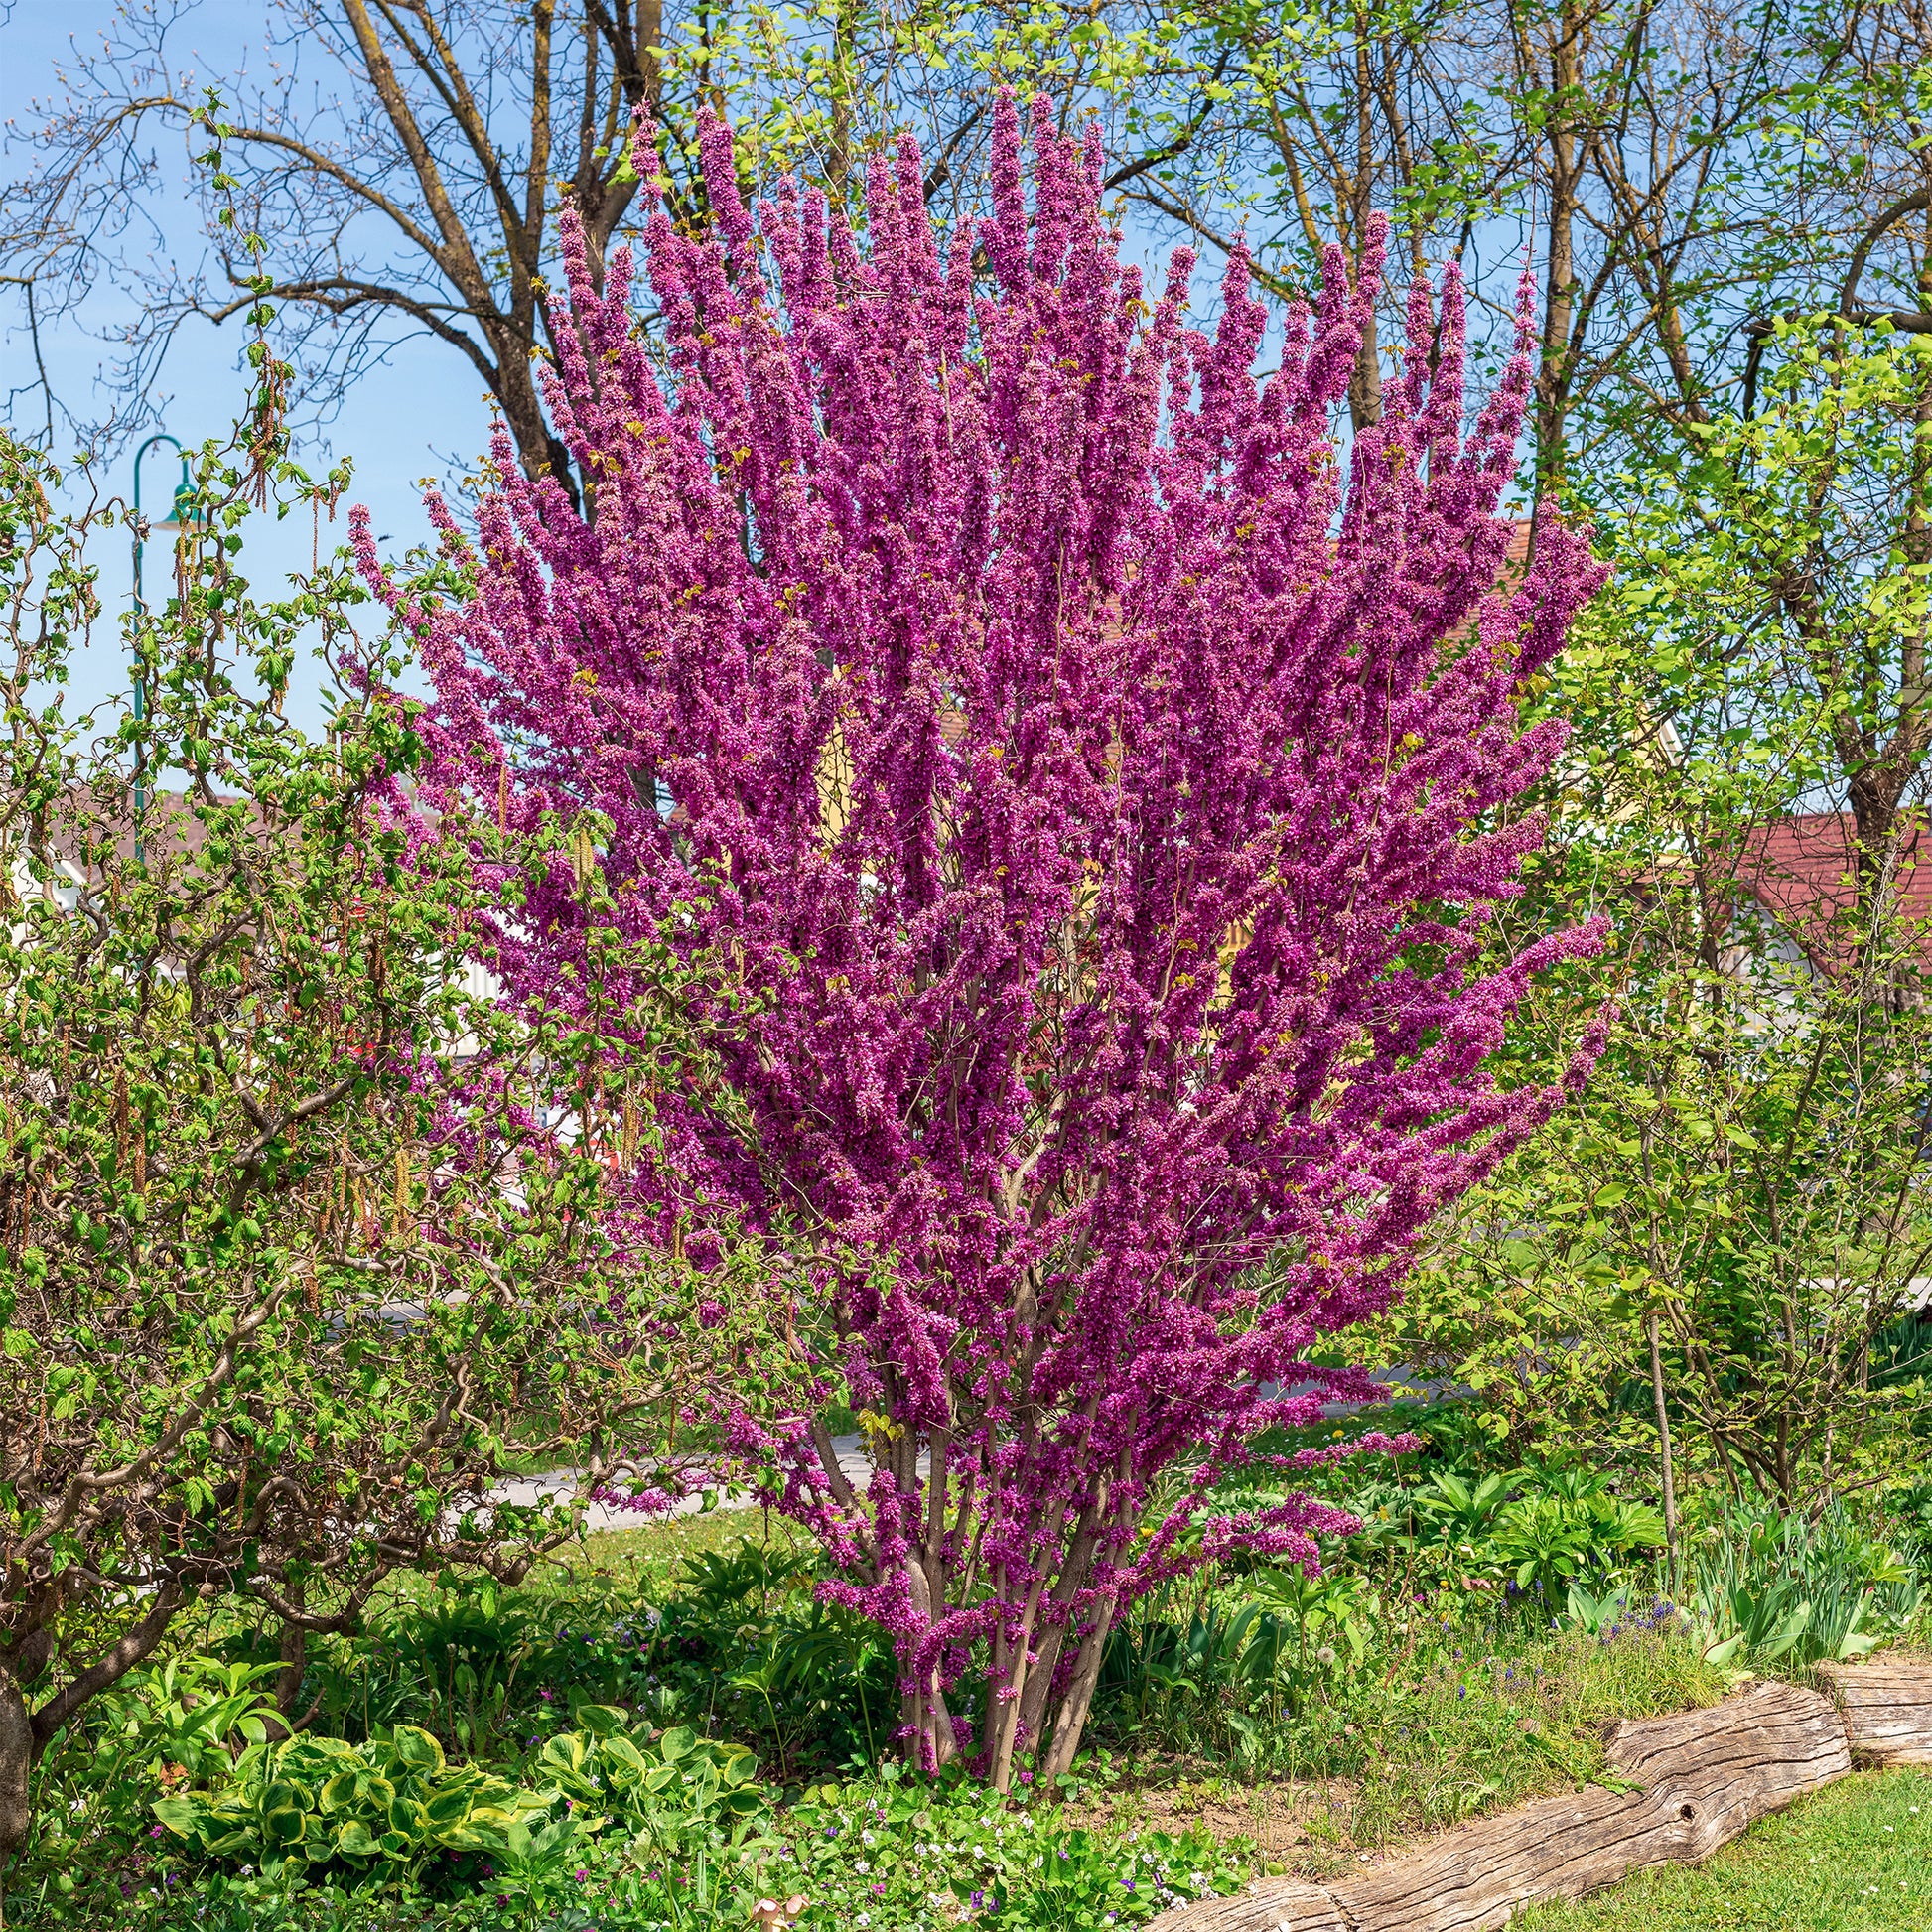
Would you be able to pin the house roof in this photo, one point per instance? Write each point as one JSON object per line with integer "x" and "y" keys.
{"x": 1803, "y": 870}
{"x": 169, "y": 823}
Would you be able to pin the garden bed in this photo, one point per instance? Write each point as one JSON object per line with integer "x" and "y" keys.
{"x": 1677, "y": 1790}
{"x": 1262, "y": 1728}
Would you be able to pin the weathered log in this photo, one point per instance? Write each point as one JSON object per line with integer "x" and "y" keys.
{"x": 1887, "y": 1705}
{"x": 1273, "y": 1905}
{"x": 1706, "y": 1776}
{"x": 1758, "y": 1751}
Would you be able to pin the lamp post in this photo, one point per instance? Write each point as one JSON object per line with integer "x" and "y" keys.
{"x": 180, "y": 509}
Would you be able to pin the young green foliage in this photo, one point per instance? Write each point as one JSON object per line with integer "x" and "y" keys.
{"x": 294, "y": 1261}
{"x": 1745, "y": 794}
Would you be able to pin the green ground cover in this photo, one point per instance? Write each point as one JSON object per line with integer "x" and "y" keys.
{"x": 1854, "y": 1858}
{"x": 667, "y": 1726}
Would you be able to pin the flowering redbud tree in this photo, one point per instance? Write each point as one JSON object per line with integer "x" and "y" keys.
{"x": 1096, "y": 790}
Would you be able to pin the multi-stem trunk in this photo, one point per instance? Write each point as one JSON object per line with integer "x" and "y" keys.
{"x": 1071, "y": 1719}
{"x": 15, "y": 1772}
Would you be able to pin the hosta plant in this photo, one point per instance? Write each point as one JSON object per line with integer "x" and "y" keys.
{"x": 383, "y": 1808}
{"x": 381, "y": 1812}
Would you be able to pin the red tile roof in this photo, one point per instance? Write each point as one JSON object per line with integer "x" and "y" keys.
{"x": 1803, "y": 870}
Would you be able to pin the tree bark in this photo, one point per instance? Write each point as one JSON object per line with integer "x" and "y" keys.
{"x": 1662, "y": 1443}
{"x": 1559, "y": 297}
{"x": 1005, "y": 1683}
{"x": 923, "y": 1707}
{"x": 110, "y": 1666}
{"x": 1073, "y": 1720}
{"x": 16, "y": 1767}
{"x": 1365, "y": 382}
{"x": 1072, "y": 1579}
{"x": 295, "y": 1657}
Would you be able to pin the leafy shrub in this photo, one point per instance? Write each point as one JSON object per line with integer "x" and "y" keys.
{"x": 1535, "y": 1529}
{"x": 1454, "y": 1513}
{"x": 386, "y": 1806}
{"x": 464, "y": 1648}
{"x": 681, "y": 1792}
{"x": 1546, "y": 1541}
{"x": 189, "y": 1712}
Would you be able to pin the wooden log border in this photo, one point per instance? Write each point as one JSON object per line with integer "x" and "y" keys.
{"x": 1703, "y": 1777}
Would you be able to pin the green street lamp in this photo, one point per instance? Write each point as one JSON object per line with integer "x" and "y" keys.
{"x": 181, "y": 512}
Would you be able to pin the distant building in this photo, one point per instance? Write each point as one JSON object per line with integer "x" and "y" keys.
{"x": 1800, "y": 872}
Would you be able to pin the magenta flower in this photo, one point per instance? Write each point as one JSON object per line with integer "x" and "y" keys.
{"x": 1080, "y": 794}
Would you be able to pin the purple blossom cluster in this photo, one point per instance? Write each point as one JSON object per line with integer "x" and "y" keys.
{"x": 1080, "y": 792}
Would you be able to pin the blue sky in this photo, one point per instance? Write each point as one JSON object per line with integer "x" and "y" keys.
{"x": 417, "y": 408}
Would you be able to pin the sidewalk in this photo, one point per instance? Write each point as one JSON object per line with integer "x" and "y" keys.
{"x": 526, "y": 1491}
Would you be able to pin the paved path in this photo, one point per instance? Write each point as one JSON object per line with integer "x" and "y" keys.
{"x": 528, "y": 1490}
{"x": 856, "y": 1463}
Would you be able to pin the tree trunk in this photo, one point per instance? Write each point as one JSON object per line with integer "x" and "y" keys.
{"x": 537, "y": 450}
{"x": 16, "y": 1766}
{"x": 1032, "y": 1720}
{"x": 1005, "y": 1685}
{"x": 1365, "y": 383}
{"x": 1559, "y": 296}
{"x": 1664, "y": 1450}
{"x": 1365, "y": 380}
{"x": 923, "y": 1709}
{"x": 1073, "y": 1720}
{"x": 295, "y": 1658}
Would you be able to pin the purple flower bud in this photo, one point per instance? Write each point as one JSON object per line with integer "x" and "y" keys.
{"x": 1066, "y": 790}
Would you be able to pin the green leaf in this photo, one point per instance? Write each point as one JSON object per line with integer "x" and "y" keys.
{"x": 180, "y": 1815}
{"x": 416, "y": 1749}
{"x": 354, "y": 1841}
{"x": 284, "y": 1828}
{"x": 446, "y": 1808}
{"x": 339, "y": 1792}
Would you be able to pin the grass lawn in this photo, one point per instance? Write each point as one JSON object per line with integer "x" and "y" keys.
{"x": 657, "y": 1549}
{"x": 1854, "y": 1858}
{"x": 646, "y": 1558}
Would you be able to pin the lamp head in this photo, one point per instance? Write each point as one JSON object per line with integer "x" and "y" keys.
{"x": 181, "y": 512}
